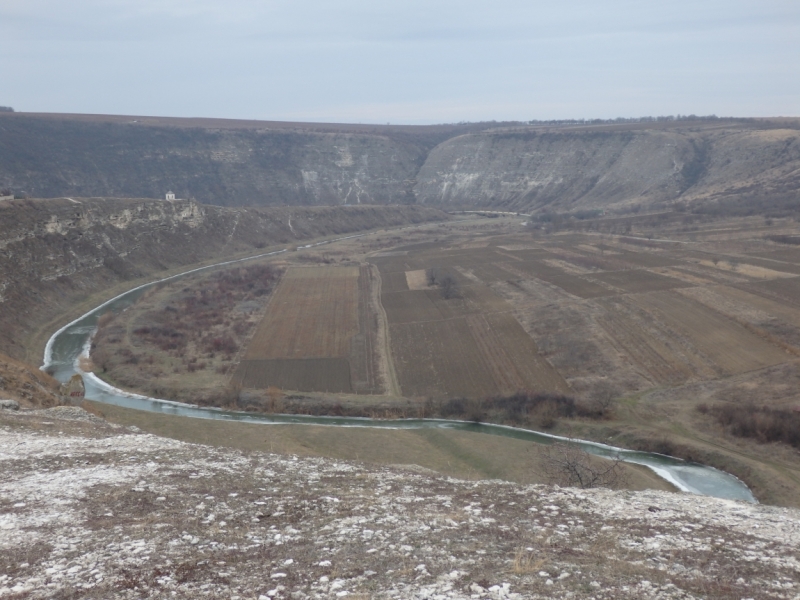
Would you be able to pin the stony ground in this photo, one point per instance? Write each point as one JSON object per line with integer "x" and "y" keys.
{"x": 89, "y": 510}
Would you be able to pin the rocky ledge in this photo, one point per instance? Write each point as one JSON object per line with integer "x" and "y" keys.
{"x": 90, "y": 510}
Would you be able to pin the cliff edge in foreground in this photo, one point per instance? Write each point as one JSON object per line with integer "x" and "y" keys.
{"x": 90, "y": 510}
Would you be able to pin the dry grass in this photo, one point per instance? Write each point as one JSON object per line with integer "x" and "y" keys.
{"x": 181, "y": 339}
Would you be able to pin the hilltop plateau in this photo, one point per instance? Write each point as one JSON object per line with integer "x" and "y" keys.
{"x": 92, "y": 510}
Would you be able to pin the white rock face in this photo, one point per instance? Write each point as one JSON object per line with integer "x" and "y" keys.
{"x": 90, "y": 511}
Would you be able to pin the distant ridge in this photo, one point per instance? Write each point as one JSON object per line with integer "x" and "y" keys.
{"x": 554, "y": 165}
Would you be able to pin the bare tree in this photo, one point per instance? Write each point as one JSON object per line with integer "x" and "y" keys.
{"x": 445, "y": 281}
{"x": 431, "y": 276}
{"x": 568, "y": 465}
{"x": 603, "y": 397}
{"x": 449, "y": 287}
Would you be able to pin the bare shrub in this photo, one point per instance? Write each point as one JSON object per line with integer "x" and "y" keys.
{"x": 430, "y": 276}
{"x": 449, "y": 287}
{"x": 546, "y": 415}
{"x": 274, "y": 399}
{"x": 568, "y": 465}
{"x": 761, "y": 423}
{"x": 602, "y": 398}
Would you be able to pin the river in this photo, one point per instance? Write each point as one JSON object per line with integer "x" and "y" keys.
{"x": 65, "y": 347}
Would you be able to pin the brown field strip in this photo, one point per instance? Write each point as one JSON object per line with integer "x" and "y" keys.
{"x": 526, "y": 255}
{"x": 394, "y": 281}
{"x": 644, "y": 346}
{"x": 726, "y": 343}
{"x": 790, "y": 255}
{"x": 409, "y": 306}
{"x": 363, "y": 351}
{"x": 638, "y": 280}
{"x": 775, "y": 308}
{"x": 589, "y": 260}
{"x": 307, "y": 375}
{"x": 392, "y": 264}
{"x": 506, "y": 377}
{"x": 785, "y": 290}
{"x": 440, "y": 358}
{"x": 572, "y": 284}
{"x": 312, "y": 315}
{"x": 773, "y": 265}
{"x": 492, "y": 273}
{"x": 461, "y": 258}
{"x": 534, "y": 372}
{"x": 643, "y": 259}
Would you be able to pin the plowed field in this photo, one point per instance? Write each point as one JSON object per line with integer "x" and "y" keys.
{"x": 312, "y": 315}
{"x": 466, "y": 344}
{"x": 318, "y": 334}
{"x": 731, "y": 347}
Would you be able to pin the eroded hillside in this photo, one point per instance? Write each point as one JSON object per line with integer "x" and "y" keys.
{"x": 602, "y": 169}
{"x": 520, "y": 167}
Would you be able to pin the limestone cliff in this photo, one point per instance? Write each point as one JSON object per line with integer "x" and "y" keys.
{"x": 587, "y": 169}
{"x": 523, "y": 168}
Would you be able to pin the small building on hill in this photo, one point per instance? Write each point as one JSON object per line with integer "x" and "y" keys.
{"x": 170, "y": 196}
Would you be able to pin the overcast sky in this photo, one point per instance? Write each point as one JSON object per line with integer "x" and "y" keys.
{"x": 409, "y": 61}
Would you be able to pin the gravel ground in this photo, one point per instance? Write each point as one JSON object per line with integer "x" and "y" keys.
{"x": 90, "y": 510}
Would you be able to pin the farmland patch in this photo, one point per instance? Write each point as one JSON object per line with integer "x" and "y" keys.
{"x": 306, "y": 374}
{"x": 312, "y": 315}
{"x": 440, "y": 358}
{"x": 394, "y": 281}
{"x": 785, "y": 290}
{"x": 318, "y": 334}
{"x": 639, "y": 280}
{"x": 416, "y": 280}
{"x": 731, "y": 347}
{"x": 572, "y": 284}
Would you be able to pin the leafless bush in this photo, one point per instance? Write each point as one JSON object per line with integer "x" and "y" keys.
{"x": 568, "y": 465}
{"x": 793, "y": 240}
{"x": 447, "y": 283}
{"x": 759, "y": 422}
{"x": 603, "y": 398}
{"x": 430, "y": 276}
{"x": 449, "y": 287}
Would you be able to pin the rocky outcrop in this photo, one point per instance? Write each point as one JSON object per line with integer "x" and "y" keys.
{"x": 594, "y": 169}
{"x": 54, "y": 253}
{"x": 98, "y": 512}
{"x": 521, "y": 171}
